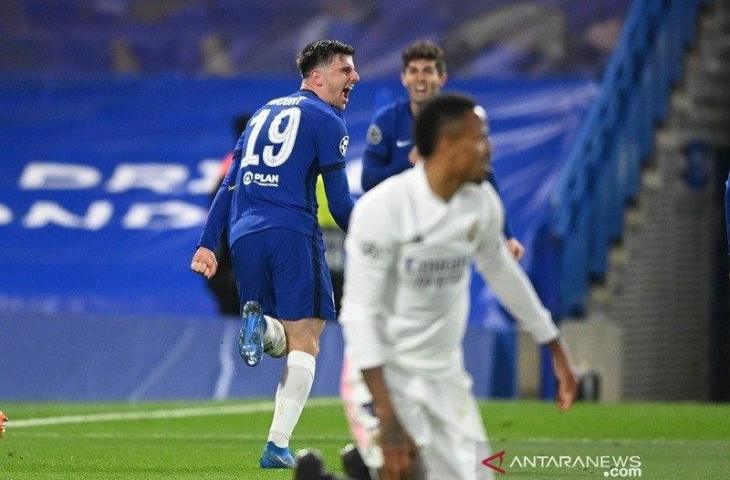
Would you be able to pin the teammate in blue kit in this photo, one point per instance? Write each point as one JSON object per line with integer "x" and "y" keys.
{"x": 268, "y": 202}
{"x": 389, "y": 147}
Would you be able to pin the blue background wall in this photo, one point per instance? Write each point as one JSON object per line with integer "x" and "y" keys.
{"x": 90, "y": 301}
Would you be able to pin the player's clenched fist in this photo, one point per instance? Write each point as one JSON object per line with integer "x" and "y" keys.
{"x": 204, "y": 262}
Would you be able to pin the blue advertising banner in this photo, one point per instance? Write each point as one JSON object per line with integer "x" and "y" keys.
{"x": 104, "y": 181}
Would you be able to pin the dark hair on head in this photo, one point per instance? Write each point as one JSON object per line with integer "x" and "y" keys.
{"x": 436, "y": 116}
{"x": 321, "y": 53}
{"x": 424, "y": 50}
{"x": 239, "y": 124}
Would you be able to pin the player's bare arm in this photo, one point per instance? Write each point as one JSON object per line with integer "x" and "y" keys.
{"x": 567, "y": 383}
{"x": 399, "y": 450}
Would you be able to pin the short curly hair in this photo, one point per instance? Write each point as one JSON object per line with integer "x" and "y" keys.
{"x": 424, "y": 50}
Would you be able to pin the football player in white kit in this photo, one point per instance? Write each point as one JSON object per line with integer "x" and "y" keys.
{"x": 404, "y": 311}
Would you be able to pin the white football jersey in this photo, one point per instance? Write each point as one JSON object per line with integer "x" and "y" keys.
{"x": 409, "y": 256}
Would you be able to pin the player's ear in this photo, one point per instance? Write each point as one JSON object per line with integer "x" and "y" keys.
{"x": 316, "y": 77}
{"x": 403, "y": 79}
{"x": 443, "y": 79}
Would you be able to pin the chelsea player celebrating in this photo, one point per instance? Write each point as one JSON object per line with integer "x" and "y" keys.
{"x": 268, "y": 202}
{"x": 389, "y": 147}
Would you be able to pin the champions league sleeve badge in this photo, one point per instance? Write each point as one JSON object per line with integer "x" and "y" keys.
{"x": 343, "y": 145}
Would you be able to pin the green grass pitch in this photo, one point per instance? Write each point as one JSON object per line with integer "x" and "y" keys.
{"x": 222, "y": 440}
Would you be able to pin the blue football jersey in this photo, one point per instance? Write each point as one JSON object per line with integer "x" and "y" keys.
{"x": 388, "y": 144}
{"x": 271, "y": 183}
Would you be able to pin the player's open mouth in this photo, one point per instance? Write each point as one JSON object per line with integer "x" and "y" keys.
{"x": 346, "y": 92}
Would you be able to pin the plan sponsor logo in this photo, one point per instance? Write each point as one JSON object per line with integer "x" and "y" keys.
{"x": 261, "y": 179}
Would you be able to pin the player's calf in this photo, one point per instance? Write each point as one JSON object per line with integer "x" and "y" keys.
{"x": 303, "y": 335}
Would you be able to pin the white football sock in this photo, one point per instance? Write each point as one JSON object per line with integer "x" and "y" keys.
{"x": 274, "y": 337}
{"x": 291, "y": 396}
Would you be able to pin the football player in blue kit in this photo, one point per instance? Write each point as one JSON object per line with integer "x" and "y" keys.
{"x": 389, "y": 147}
{"x": 268, "y": 202}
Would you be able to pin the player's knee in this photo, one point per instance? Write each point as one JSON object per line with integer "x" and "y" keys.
{"x": 303, "y": 335}
{"x": 313, "y": 346}
{"x": 305, "y": 343}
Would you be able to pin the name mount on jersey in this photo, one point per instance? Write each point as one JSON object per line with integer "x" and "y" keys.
{"x": 287, "y": 101}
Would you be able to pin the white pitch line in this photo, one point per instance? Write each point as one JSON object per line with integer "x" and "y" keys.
{"x": 257, "y": 407}
{"x": 615, "y": 442}
{"x": 301, "y": 439}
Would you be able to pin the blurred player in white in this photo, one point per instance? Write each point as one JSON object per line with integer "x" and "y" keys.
{"x": 409, "y": 248}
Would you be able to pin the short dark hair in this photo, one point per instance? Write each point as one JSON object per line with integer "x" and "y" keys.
{"x": 239, "y": 124}
{"x": 321, "y": 53}
{"x": 436, "y": 116}
{"x": 424, "y": 50}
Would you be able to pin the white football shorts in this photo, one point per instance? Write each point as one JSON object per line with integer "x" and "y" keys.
{"x": 440, "y": 414}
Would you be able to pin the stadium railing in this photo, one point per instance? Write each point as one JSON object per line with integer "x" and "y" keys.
{"x": 603, "y": 169}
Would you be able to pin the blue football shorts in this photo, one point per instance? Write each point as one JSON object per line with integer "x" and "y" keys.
{"x": 286, "y": 272}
